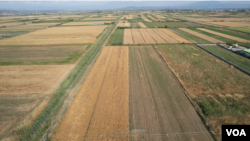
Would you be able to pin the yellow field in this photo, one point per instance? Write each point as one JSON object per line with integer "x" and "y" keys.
{"x": 57, "y": 35}
{"x": 94, "y": 19}
{"x": 86, "y": 23}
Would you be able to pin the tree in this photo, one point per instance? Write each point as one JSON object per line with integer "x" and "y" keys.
{"x": 166, "y": 26}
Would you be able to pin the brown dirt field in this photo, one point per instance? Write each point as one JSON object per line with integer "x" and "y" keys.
{"x": 142, "y": 25}
{"x": 137, "y": 37}
{"x": 57, "y": 35}
{"x": 86, "y": 23}
{"x": 175, "y": 36}
{"x": 205, "y": 37}
{"x": 157, "y": 103}
{"x": 231, "y": 24}
{"x": 165, "y": 36}
{"x": 148, "y": 39}
{"x": 156, "y": 37}
{"x": 224, "y": 35}
{"x": 100, "y": 108}
{"x": 31, "y": 79}
{"x": 128, "y": 37}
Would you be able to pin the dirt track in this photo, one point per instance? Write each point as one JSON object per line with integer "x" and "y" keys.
{"x": 156, "y": 102}
{"x": 100, "y": 109}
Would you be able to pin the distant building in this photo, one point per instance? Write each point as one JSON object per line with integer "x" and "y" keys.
{"x": 97, "y": 24}
{"x": 246, "y": 52}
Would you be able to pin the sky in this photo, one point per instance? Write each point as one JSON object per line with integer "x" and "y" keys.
{"x": 75, "y": 5}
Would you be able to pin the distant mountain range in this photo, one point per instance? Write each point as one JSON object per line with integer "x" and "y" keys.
{"x": 118, "y": 5}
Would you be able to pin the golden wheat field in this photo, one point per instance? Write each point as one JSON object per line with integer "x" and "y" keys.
{"x": 57, "y": 35}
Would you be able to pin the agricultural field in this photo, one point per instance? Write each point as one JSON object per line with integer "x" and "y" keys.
{"x": 142, "y": 25}
{"x": 57, "y": 35}
{"x": 30, "y": 55}
{"x": 231, "y": 24}
{"x": 104, "y": 96}
{"x": 22, "y": 29}
{"x": 210, "y": 39}
{"x": 151, "y": 36}
{"x": 85, "y": 23}
{"x": 117, "y": 37}
{"x": 236, "y": 59}
{"x": 224, "y": 35}
{"x": 22, "y": 88}
{"x": 173, "y": 24}
{"x": 190, "y": 37}
{"x": 247, "y": 29}
{"x": 157, "y": 103}
{"x": 211, "y": 83}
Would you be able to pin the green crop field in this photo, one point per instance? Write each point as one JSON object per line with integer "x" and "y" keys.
{"x": 117, "y": 37}
{"x": 236, "y": 59}
{"x": 190, "y": 37}
{"x": 240, "y": 29}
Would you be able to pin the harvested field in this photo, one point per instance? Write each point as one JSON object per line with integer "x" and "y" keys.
{"x": 175, "y": 36}
{"x": 157, "y": 103}
{"x": 224, "y": 35}
{"x": 147, "y": 37}
{"x": 220, "y": 90}
{"x": 156, "y": 37}
{"x": 128, "y": 37}
{"x": 174, "y": 24}
{"x": 145, "y": 19}
{"x": 165, "y": 36}
{"x": 205, "y": 37}
{"x": 85, "y": 23}
{"x": 32, "y": 79}
{"x": 231, "y": 24}
{"x": 124, "y": 24}
{"x": 12, "y": 55}
{"x": 100, "y": 19}
{"x": 142, "y": 25}
{"x": 137, "y": 37}
{"x": 57, "y": 35}
{"x": 10, "y": 24}
{"x": 100, "y": 108}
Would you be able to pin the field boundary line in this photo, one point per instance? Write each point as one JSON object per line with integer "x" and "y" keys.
{"x": 229, "y": 63}
{"x": 196, "y": 107}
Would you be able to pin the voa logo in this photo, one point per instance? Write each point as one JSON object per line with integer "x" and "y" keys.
{"x": 236, "y": 132}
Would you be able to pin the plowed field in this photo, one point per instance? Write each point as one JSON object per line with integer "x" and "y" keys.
{"x": 99, "y": 110}
{"x": 157, "y": 103}
{"x": 205, "y": 37}
{"x": 224, "y": 35}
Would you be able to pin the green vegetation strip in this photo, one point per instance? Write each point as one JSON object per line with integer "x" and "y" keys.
{"x": 236, "y": 59}
{"x": 190, "y": 36}
{"x": 230, "y": 33}
{"x": 240, "y": 29}
{"x": 42, "y": 123}
{"x": 117, "y": 37}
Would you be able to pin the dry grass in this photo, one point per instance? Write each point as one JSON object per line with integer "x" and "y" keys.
{"x": 57, "y": 35}
{"x": 33, "y": 79}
